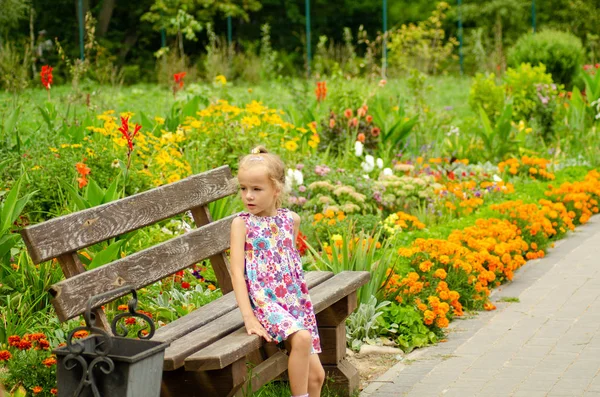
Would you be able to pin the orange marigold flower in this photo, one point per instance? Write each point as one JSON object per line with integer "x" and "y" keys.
{"x": 44, "y": 344}
{"x": 50, "y": 361}
{"x": 211, "y": 287}
{"x": 122, "y": 307}
{"x": 442, "y": 322}
{"x": 81, "y": 334}
{"x": 361, "y": 137}
{"x": 348, "y": 113}
{"x": 14, "y": 340}
{"x": 5, "y": 355}
{"x": 440, "y": 273}
{"x": 37, "y": 389}
{"x": 425, "y": 266}
{"x": 428, "y": 317}
{"x": 489, "y": 306}
{"x": 37, "y": 336}
{"x": 24, "y": 345}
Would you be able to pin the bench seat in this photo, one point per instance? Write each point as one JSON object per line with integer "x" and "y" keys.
{"x": 207, "y": 324}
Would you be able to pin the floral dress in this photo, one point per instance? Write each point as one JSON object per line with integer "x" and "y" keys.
{"x": 274, "y": 277}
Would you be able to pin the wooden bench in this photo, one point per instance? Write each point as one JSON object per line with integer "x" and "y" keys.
{"x": 209, "y": 348}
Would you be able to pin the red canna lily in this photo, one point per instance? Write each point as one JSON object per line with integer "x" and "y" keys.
{"x": 178, "y": 77}
{"x": 321, "y": 91}
{"x": 46, "y": 76}
{"x": 124, "y": 128}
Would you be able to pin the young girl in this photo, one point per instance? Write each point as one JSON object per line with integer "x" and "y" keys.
{"x": 267, "y": 272}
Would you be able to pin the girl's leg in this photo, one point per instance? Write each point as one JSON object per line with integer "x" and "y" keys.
{"x": 298, "y": 363}
{"x": 316, "y": 376}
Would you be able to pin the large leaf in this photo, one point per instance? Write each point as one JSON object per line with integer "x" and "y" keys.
{"x": 112, "y": 193}
{"x": 147, "y": 124}
{"x": 8, "y": 207}
{"x": 95, "y": 194}
{"x": 8, "y": 241}
{"x": 11, "y": 121}
{"x": 79, "y": 201}
{"x": 107, "y": 255}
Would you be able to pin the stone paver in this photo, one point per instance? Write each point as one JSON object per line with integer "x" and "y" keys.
{"x": 547, "y": 344}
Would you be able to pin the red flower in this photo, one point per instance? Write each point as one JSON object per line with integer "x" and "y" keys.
{"x": 54, "y": 391}
{"x": 14, "y": 340}
{"x": 24, "y": 345}
{"x": 348, "y": 113}
{"x": 5, "y": 355}
{"x": 185, "y": 285}
{"x": 178, "y": 77}
{"x": 130, "y": 321}
{"x": 82, "y": 170}
{"x": 124, "y": 128}
{"x": 280, "y": 291}
{"x": 375, "y": 131}
{"x": 44, "y": 344}
{"x": 369, "y": 118}
{"x": 50, "y": 361}
{"x": 38, "y": 335}
{"x": 46, "y": 76}
{"x": 37, "y": 389}
{"x": 321, "y": 91}
{"x": 81, "y": 334}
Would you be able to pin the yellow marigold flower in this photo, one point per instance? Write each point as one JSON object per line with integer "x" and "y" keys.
{"x": 440, "y": 273}
{"x": 220, "y": 79}
{"x": 291, "y": 146}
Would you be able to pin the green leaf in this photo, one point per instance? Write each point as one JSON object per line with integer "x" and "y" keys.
{"x": 79, "y": 201}
{"x": 107, "y": 255}
{"x": 11, "y": 122}
{"x": 190, "y": 108}
{"x": 95, "y": 194}
{"x": 46, "y": 117}
{"x": 8, "y": 241}
{"x": 8, "y": 207}
{"x": 21, "y": 203}
{"x": 147, "y": 124}
{"x": 112, "y": 193}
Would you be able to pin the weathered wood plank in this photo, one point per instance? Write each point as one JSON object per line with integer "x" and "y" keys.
{"x": 220, "y": 383}
{"x": 72, "y": 266}
{"x": 343, "y": 378}
{"x": 333, "y": 343}
{"x": 337, "y": 313}
{"x": 140, "y": 269}
{"x": 81, "y": 229}
{"x": 219, "y": 262}
{"x": 238, "y": 344}
{"x": 265, "y": 372}
{"x": 185, "y": 341}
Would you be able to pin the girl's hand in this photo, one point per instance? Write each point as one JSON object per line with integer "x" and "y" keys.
{"x": 253, "y": 326}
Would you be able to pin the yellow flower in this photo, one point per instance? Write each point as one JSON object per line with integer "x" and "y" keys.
{"x": 291, "y": 146}
{"x": 54, "y": 150}
{"x": 127, "y": 114}
{"x": 76, "y": 146}
{"x": 159, "y": 120}
{"x": 173, "y": 178}
{"x": 220, "y": 79}
{"x": 35, "y": 168}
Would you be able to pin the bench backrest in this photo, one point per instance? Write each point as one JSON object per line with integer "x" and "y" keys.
{"x": 64, "y": 236}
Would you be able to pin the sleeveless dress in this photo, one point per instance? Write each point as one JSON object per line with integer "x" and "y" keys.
{"x": 275, "y": 279}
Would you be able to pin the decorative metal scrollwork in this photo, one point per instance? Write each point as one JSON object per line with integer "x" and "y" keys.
{"x": 102, "y": 343}
{"x": 131, "y": 313}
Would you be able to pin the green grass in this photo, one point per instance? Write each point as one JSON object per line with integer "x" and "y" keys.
{"x": 509, "y": 299}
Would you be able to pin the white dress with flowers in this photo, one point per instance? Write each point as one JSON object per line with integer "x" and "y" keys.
{"x": 275, "y": 279}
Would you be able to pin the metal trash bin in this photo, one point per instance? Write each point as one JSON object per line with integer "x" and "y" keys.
{"x": 102, "y": 365}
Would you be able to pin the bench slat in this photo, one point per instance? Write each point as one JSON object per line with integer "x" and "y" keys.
{"x": 70, "y": 296}
{"x": 238, "y": 344}
{"x": 229, "y": 320}
{"x": 207, "y": 313}
{"x": 75, "y": 231}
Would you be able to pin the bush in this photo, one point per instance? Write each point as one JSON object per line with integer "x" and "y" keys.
{"x": 487, "y": 94}
{"x": 522, "y": 84}
{"x": 561, "y": 52}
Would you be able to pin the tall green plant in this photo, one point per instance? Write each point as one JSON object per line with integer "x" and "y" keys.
{"x": 10, "y": 209}
{"x": 498, "y": 140}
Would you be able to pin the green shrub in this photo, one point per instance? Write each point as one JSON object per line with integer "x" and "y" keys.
{"x": 561, "y": 52}
{"x": 487, "y": 94}
{"x": 522, "y": 85}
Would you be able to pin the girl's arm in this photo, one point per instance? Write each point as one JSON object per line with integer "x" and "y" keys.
{"x": 237, "y": 259}
{"x": 297, "y": 221}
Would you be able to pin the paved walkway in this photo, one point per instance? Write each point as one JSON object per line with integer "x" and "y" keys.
{"x": 547, "y": 344}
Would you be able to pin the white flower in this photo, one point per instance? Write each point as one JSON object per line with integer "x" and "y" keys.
{"x": 298, "y": 177}
{"x": 380, "y": 163}
{"x": 366, "y": 176}
{"x": 369, "y": 164}
{"x": 358, "y": 148}
{"x": 496, "y": 178}
{"x": 388, "y": 172}
{"x": 289, "y": 179}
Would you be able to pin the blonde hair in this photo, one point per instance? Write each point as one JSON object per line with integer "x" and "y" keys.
{"x": 260, "y": 156}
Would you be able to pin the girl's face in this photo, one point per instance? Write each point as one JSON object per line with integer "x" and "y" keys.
{"x": 258, "y": 193}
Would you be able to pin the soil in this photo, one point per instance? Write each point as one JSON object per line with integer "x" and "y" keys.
{"x": 372, "y": 366}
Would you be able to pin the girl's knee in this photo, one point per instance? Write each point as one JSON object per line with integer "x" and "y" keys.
{"x": 317, "y": 376}
{"x": 301, "y": 340}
